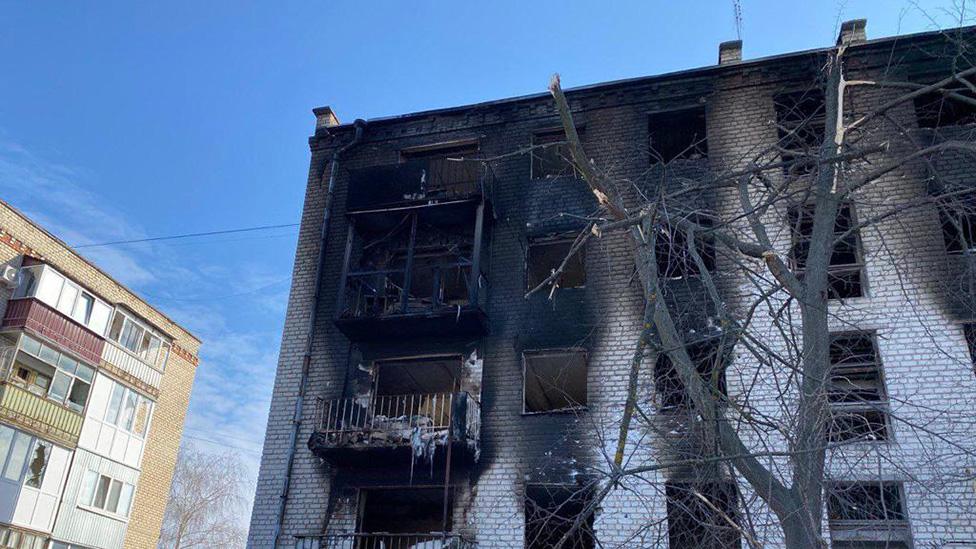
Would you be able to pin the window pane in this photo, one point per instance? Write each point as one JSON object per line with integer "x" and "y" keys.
{"x": 115, "y": 333}
{"x": 66, "y": 302}
{"x": 84, "y": 373}
{"x": 142, "y": 416}
{"x": 18, "y": 457}
{"x": 153, "y": 352}
{"x": 112, "y": 504}
{"x": 131, "y": 336}
{"x": 28, "y": 282}
{"x": 128, "y": 411}
{"x": 83, "y": 308}
{"x": 38, "y": 464}
{"x": 125, "y": 499}
{"x": 49, "y": 355}
{"x": 114, "y": 404}
{"x": 67, "y": 364}
{"x": 99, "y": 317}
{"x": 88, "y": 488}
{"x": 101, "y": 493}
{"x": 60, "y": 386}
{"x": 50, "y": 287}
{"x": 30, "y": 345}
{"x": 6, "y": 436}
{"x": 79, "y": 395}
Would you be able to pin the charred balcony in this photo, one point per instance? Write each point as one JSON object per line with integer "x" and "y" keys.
{"x": 414, "y": 409}
{"x": 414, "y": 271}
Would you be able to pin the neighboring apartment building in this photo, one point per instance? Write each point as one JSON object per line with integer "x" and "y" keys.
{"x": 94, "y": 388}
{"x": 418, "y": 389}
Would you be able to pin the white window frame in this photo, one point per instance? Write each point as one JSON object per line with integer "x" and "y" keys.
{"x": 162, "y": 350}
{"x": 87, "y": 317}
{"x": 58, "y": 369}
{"x": 25, "y": 466}
{"x": 89, "y": 491}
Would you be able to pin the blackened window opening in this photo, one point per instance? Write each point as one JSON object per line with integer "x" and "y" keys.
{"x": 671, "y": 393}
{"x": 937, "y": 109}
{"x": 845, "y": 268}
{"x": 865, "y": 501}
{"x": 800, "y": 119}
{"x": 554, "y": 380}
{"x": 402, "y": 511}
{"x": 451, "y": 171}
{"x": 958, "y": 217}
{"x": 545, "y": 256}
{"x": 856, "y": 390}
{"x": 674, "y": 259}
{"x": 552, "y": 510}
{"x": 702, "y": 515}
{"x": 551, "y": 157}
{"x": 677, "y": 134}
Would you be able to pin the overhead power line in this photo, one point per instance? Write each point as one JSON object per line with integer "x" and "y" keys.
{"x": 188, "y": 235}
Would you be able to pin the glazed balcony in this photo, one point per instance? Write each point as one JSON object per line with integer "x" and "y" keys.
{"x": 421, "y": 180}
{"x": 124, "y": 364}
{"x": 35, "y": 413}
{"x": 432, "y": 540}
{"x": 396, "y": 425}
{"x": 34, "y": 316}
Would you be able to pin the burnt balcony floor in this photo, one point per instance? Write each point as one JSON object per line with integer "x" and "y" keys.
{"x": 446, "y": 321}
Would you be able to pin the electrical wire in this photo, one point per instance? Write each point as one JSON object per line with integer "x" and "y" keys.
{"x": 187, "y": 235}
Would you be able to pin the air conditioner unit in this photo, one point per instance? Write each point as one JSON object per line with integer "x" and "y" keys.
{"x": 10, "y": 276}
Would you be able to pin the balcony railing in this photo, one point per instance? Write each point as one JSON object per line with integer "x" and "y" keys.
{"x": 37, "y": 317}
{"x": 399, "y": 420}
{"x": 391, "y": 291}
{"x": 124, "y": 364}
{"x": 433, "y": 540}
{"x": 40, "y": 415}
{"x": 420, "y": 180}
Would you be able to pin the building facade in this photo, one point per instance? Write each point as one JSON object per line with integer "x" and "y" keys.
{"x": 424, "y": 399}
{"x": 95, "y": 385}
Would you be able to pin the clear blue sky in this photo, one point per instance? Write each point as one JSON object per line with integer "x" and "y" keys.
{"x": 126, "y": 119}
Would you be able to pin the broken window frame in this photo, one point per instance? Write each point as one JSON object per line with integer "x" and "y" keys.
{"x": 721, "y": 494}
{"x": 575, "y": 267}
{"x": 566, "y": 351}
{"x": 445, "y": 172}
{"x": 799, "y": 136}
{"x": 585, "y": 535}
{"x": 696, "y": 148}
{"x": 958, "y": 222}
{"x": 670, "y": 392}
{"x": 871, "y": 414}
{"x": 549, "y": 150}
{"x": 854, "y": 532}
{"x": 929, "y": 116}
{"x": 837, "y": 274}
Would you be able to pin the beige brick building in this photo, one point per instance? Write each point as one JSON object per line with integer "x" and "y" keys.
{"x": 94, "y": 389}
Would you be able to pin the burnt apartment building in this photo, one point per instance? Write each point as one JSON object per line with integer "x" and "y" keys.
{"x": 422, "y": 399}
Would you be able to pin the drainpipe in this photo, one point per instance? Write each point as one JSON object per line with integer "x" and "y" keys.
{"x": 307, "y": 356}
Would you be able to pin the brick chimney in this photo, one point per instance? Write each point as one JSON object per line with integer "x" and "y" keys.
{"x": 730, "y": 52}
{"x": 852, "y": 32}
{"x": 325, "y": 117}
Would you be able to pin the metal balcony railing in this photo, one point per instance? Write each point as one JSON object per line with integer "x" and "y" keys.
{"x": 398, "y": 419}
{"x": 391, "y": 292}
{"x": 433, "y": 540}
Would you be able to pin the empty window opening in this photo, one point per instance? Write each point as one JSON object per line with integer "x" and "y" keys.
{"x": 846, "y": 265}
{"x": 402, "y": 511}
{"x": 856, "y": 390}
{"x": 545, "y": 257}
{"x": 937, "y": 109}
{"x": 444, "y": 170}
{"x": 958, "y": 219}
{"x": 800, "y": 118}
{"x": 677, "y": 134}
{"x": 867, "y": 515}
{"x": 419, "y": 389}
{"x": 674, "y": 259}
{"x": 702, "y": 515}
{"x": 551, "y": 157}
{"x": 671, "y": 393}
{"x": 552, "y": 510}
{"x": 970, "y": 330}
{"x": 554, "y": 380}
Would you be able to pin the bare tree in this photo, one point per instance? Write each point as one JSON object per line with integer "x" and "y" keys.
{"x": 206, "y": 501}
{"x": 779, "y": 224}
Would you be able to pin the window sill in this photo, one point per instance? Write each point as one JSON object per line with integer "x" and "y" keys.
{"x": 560, "y": 411}
{"x": 104, "y": 513}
